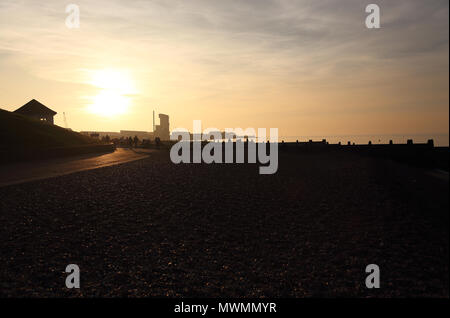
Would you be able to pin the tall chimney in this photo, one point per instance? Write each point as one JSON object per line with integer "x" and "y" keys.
{"x": 153, "y": 121}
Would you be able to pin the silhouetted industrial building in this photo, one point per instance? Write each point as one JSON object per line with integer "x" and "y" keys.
{"x": 162, "y": 130}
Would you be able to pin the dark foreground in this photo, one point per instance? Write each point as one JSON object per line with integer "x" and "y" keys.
{"x": 151, "y": 228}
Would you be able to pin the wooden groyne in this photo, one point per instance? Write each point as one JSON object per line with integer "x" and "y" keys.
{"x": 418, "y": 154}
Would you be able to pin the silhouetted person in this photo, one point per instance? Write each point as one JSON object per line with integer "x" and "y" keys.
{"x": 135, "y": 140}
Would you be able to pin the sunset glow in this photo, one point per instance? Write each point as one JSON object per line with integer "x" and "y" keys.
{"x": 305, "y": 68}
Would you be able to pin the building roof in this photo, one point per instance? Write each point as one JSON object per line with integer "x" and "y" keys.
{"x": 33, "y": 107}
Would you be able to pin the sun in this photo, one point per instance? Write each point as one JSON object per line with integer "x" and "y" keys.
{"x": 115, "y": 90}
{"x": 109, "y": 103}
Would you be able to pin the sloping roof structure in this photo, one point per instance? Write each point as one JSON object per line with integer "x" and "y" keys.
{"x": 33, "y": 107}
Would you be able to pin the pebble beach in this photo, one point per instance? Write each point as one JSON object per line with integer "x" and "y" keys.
{"x": 150, "y": 228}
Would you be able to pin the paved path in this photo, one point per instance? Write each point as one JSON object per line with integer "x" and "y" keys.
{"x": 30, "y": 171}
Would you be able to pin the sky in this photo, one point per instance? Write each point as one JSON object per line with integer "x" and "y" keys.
{"x": 306, "y": 67}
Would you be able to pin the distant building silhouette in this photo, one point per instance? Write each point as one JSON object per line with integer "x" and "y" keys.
{"x": 36, "y": 110}
{"x": 161, "y": 131}
{"x": 136, "y": 133}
